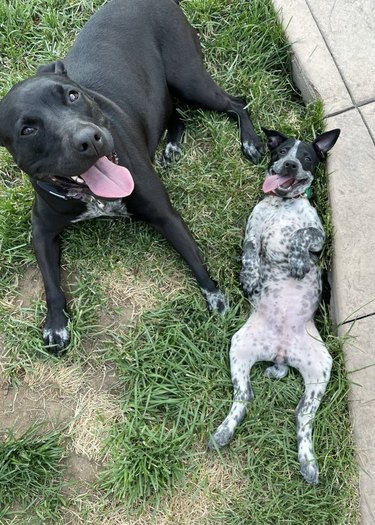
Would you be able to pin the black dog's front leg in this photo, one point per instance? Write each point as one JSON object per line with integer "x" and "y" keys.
{"x": 175, "y": 231}
{"x": 303, "y": 242}
{"x": 160, "y": 214}
{"x": 47, "y": 250}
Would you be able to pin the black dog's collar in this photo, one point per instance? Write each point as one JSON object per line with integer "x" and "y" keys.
{"x": 52, "y": 190}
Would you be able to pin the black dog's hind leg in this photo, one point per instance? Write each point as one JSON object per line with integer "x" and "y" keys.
{"x": 175, "y": 134}
{"x": 47, "y": 250}
{"x": 189, "y": 80}
{"x": 201, "y": 91}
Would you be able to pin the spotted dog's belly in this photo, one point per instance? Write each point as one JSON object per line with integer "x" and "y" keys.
{"x": 96, "y": 208}
{"x": 284, "y": 301}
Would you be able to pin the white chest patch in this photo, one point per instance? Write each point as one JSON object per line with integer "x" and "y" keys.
{"x": 96, "y": 208}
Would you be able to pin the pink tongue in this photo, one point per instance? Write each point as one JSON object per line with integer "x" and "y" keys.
{"x": 274, "y": 181}
{"x": 106, "y": 179}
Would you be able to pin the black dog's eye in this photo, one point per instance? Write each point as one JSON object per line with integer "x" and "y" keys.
{"x": 73, "y": 96}
{"x": 27, "y": 130}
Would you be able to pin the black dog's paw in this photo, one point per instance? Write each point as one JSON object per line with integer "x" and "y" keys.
{"x": 172, "y": 153}
{"x": 56, "y": 337}
{"x": 253, "y": 150}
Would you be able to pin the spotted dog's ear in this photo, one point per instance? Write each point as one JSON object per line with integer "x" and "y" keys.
{"x": 324, "y": 142}
{"x": 56, "y": 68}
{"x": 274, "y": 138}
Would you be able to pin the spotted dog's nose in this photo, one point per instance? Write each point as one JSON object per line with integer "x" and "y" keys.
{"x": 291, "y": 167}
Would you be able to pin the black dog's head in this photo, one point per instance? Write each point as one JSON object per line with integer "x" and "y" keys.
{"x": 57, "y": 133}
{"x": 293, "y": 162}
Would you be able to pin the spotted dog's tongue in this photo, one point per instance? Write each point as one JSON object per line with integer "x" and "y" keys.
{"x": 106, "y": 179}
{"x": 272, "y": 182}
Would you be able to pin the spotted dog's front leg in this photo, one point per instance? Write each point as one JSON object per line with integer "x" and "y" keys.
{"x": 249, "y": 275}
{"x": 303, "y": 242}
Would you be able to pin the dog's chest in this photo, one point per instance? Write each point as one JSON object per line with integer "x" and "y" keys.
{"x": 96, "y": 208}
{"x": 280, "y": 221}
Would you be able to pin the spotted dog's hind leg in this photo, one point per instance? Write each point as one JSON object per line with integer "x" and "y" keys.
{"x": 176, "y": 130}
{"x": 316, "y": 370}
{"x": 242, "y": 358}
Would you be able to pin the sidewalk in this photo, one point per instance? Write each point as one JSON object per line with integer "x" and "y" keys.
{"x": 333, "y": 44}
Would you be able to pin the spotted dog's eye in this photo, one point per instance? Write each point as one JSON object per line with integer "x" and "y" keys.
{"x": 27, "y": 130}
{"x": 282, "y": 151}
{"x": 308, "y": 158}
{"x": 73, "y": 95}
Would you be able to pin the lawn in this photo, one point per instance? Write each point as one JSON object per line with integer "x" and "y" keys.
{"x": 115, "y": 431}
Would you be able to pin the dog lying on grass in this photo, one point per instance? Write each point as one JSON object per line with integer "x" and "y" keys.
{"x": 85, "y": 130}
{"x": 281, "y": 276}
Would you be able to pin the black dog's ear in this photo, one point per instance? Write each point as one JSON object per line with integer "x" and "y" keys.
{"x": 56, "y": 68}
{"x": 324, "y": 142}
{"x": 274, "y": 138}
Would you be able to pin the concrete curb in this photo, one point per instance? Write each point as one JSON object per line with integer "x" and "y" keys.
{"x": 309, "y": 54}
{"x": 322, "y": 38}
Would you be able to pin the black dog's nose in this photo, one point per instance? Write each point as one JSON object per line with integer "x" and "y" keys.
{"x": 89, "y": 141}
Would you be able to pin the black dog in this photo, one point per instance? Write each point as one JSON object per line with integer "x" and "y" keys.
{"x": 85, "y": 130}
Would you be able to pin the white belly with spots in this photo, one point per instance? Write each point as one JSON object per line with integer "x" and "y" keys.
{"x": 96, "y": 208}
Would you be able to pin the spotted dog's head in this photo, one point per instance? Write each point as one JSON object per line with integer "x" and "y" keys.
{"x": 57, "y": 133}
{"x": 293, "y": 162}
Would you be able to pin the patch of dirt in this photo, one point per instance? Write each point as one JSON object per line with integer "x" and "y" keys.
{"x": 80, "y": 473}
{"x": 131, "y": 293}
{"x": 104, "y": 379}
{"x": 20, "y": 407}
{"x": 79, "y": 402}
{"x": 213, "y": 485}
{"x": 30, "y": 287}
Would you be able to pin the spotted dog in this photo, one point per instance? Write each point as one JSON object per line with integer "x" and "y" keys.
{"x": 281, "y": 277}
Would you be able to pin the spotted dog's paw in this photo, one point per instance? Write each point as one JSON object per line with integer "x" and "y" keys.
{"x": 299, "y": 264}
{"x": 216, "y": 301}
{"x": 253, "y": 150}
{"x": 221, "y": 438}
{"x": 310, "y": 472}
{"x": 249, "y": 280}
{"x": 56, "y": 336}
{"x": 172, "y": 153}
{"x": 276, "y": 371}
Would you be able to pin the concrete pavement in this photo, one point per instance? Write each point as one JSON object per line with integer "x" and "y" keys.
{"x": 333, "y": 45}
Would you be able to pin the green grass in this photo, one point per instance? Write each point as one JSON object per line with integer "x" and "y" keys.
{"x": 173, "y": 364}
{"x": 30, "y": 474}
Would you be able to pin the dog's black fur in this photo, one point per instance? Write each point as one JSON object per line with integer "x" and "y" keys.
{"x": 114, "y": 91}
